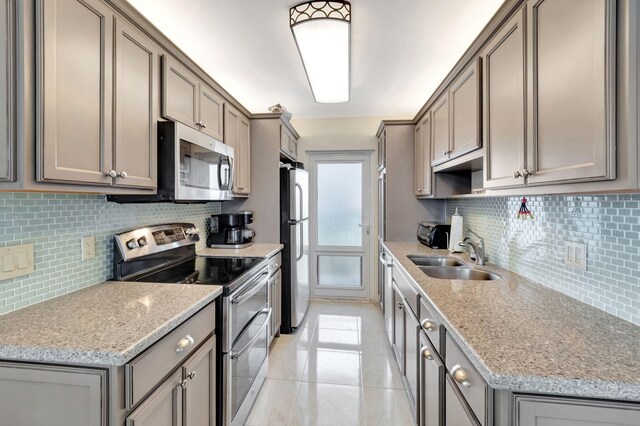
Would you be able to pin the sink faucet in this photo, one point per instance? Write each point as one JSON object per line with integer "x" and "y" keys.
{"x": 477, "y": 246}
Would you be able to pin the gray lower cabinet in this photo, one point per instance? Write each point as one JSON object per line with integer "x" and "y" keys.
{"x": 552, "y": 411}
{"x": 200, "y": 386}
{"x": 431, "y": 376}
{"x": 7, "y": 92}
{"x": 275, "y": 298}
{"x": 189, "y": 100}
{"x": 464, "y": 97}
{"x": 97, "y": 95}
{"x": 571, "y": 90}
{"x": 398, "y": 327}
{"x": 52, "y": 396}
{"x": 411, "y": 356}
{"x": 163, "y": 407}
{"x": 505, "y": 106}
{"x": 456, "y": 410}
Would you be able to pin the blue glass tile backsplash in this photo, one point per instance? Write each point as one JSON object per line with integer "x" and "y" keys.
{"x": 55, "y": 224}
{"x": 608, "y": 224}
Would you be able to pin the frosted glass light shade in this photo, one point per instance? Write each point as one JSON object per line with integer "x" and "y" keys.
{"x": 323, "y": 40}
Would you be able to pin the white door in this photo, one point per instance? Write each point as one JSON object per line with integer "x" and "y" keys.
{"x": 340, "y": 225}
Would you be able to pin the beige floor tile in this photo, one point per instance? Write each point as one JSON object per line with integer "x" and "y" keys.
{"x": 380, "y": 371}
{"x": 384, "y": 407}
{"x": 331, "y": 339}
{"x": 337, "y": 321}
{"x": 373, "y": 342}
{"x": 340, "y": 368}
{"x": 286, "y": 363}
{"x": 274, "y": 404}
{"x": 301, "y": 339}
{"x": 324, "y": 404}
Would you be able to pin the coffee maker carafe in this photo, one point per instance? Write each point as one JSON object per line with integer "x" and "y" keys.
{"x": 227, "y": 230}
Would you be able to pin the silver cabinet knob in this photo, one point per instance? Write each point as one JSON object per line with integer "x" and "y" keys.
{"x": 418, "y": 190}
{"x": 111, "y": 173}
{"x": 460, "y": 375}
{"x": 426, "y": 353}
{"x": 445, "y": 152}
{"x": 241, "y": 187}
{"x": 428, "y": 325}
{"x": 526, "y": 173}
{"x": 517, "y": 174}
{"x": 185, "y": 343}
{"x": 123, "y": 175}
{"x": 183, "y": 384}
{"x": 203, "y": 125}
{"x": 191, "y": 375}
{"x": 400, "y": 305}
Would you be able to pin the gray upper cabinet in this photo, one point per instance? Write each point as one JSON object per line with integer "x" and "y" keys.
{"x": 464, "y": 97}
{"x": 440, "y": 126}
{"x": 74, "y": 90}
{"x": 189, "y": 100}
{"x": 288, "y": 143}
{"x": 422, "y": 157}
{"x": 64, "y": 396}
{"x": 505, "y": 106}
{"x": 163, "y": 407}
{"x": 237, "y": 135}
{"x": 571, "y": 90}
{"x": 7, "y": 99}
{"x": 136, "y": 107}
{"x": 551, "y": 411}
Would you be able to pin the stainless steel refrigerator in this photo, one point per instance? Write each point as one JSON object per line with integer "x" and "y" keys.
{"x": 294, "y": 234}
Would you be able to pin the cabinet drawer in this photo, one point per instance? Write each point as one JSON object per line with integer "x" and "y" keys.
{"x": 149, "y": 368}
{"x": 430, "y": 325}
{"x": 407, "y": 290}
{"x": 474, "y": 389}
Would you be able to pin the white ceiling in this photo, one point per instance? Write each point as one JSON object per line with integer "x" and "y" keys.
{"x": 400, "y": 50}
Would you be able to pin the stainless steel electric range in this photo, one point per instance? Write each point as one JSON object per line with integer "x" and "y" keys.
{"x": 167, "y": 254}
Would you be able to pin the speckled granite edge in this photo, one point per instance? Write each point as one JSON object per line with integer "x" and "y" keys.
{"x": 255, "y": 250}
{"x": 102, "y": 358}
{"x": 527, "y": 384}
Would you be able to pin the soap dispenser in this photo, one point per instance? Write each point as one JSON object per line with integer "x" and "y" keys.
{"x": 456, "y": 233}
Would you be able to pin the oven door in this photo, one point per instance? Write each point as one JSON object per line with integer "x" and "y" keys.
{"x": 204, "y": 167}
{"x": 246, "y": 368}
{"x": 243, "y": 305}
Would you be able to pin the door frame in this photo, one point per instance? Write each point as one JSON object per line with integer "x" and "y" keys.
{"x": 366, "y": 292}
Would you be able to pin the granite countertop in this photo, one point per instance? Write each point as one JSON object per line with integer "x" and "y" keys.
{"x": 255, "y": 250}
{"x": 106, "y": 324}
{"x": 525, "y": 337}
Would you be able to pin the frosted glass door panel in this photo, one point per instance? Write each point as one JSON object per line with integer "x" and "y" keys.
{"x": 339, "y": 204}
{"x": 340, "y": 271}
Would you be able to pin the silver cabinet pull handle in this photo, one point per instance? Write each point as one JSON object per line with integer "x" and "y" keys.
{"x": 517, "y": 174}
{"x": 191, "y": 375}
{"x": 111, "y": 173}
{"x": 428, "y": 325}
{"x": 185, "y": 343}
{"x": 426, "y": 353}
{"x": 460, "y": 375}
{"x": 123, "y": 175}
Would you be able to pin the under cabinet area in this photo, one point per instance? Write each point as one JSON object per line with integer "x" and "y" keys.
{"x": 189, "y": 100}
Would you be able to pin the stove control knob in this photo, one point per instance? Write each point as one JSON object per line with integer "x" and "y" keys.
{"x": 142, "y": 241}
{"x": 132, "y": 243}
{"x": 191, "y": 231}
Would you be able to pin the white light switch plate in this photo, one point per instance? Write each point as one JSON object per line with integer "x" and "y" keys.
{"x": 16, "y": 261}
{"x": 575, "y": 255}
{"x": 88, "y": 247}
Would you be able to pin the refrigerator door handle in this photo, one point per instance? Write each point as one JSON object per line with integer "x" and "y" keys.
{"x": 301, "y": 242}
{"x": 300, "y": 201}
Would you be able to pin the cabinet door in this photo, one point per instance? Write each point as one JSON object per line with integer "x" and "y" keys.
{"x": 161, "y": 408}
{"x": 276, "y": 305}
{"x": 440, "y": 130}
{"x": 398, "y": 328}
{"x": 211, "y": 112}
{"x": 7, "y": 105}
{"x": 74, "y": 48}
{"x": 422, "y": 158}
{"x": 64, "y": 396}
{"x": 431, "y": 381}
{"x": 571, "y": 90}
{"x": 382, "y": 150}
{"x": 456, "y": 411}
{"x": 411, "y": 358}
{"x": 504, "y": 106}
{"x": 243, "y": 157}
{"x": 180, "y": 92}
{"x": 136, "y": 107}
{"x": 550, "y": 411}
{"x": 293, "y": 147}
{"x": 200, "y": 391}
{"x": 464, "y": 97}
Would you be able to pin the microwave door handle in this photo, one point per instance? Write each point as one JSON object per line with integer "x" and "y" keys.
{"x": 230, "y": 173}
{"x": 237, "y": 354}
{"x": 220, "y": 172}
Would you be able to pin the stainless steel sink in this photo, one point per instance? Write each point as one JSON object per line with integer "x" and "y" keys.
{"x": 445, "y": 273}
{"x": 435, "y": 261}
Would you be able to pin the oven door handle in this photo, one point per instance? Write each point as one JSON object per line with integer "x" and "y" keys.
{"x": 243, "y": 297}
{"x": 237, "y": 354}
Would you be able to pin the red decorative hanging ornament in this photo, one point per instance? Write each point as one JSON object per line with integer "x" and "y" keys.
{"x": 524, "y": 212}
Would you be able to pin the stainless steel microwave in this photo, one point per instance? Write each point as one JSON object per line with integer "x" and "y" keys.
{"x": 192, "y": 168}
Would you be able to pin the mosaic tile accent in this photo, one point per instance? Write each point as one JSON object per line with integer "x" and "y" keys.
{"x": 608, "y": 224}
{"x": 55, "y": 224}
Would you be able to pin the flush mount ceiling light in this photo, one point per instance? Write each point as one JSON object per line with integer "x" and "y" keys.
{"x": 322, "y": 31}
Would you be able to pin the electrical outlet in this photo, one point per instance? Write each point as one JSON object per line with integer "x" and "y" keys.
{"x": 88, "y": 247}
{"x": 575, "y": 255}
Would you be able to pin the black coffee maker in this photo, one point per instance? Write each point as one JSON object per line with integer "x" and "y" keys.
{"x": 227, "y": 230}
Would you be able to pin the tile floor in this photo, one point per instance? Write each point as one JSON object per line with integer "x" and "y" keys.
{"x": 338, "y": 369}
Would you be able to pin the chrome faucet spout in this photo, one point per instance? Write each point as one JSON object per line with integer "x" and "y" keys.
{"x": 478, "y": 247}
